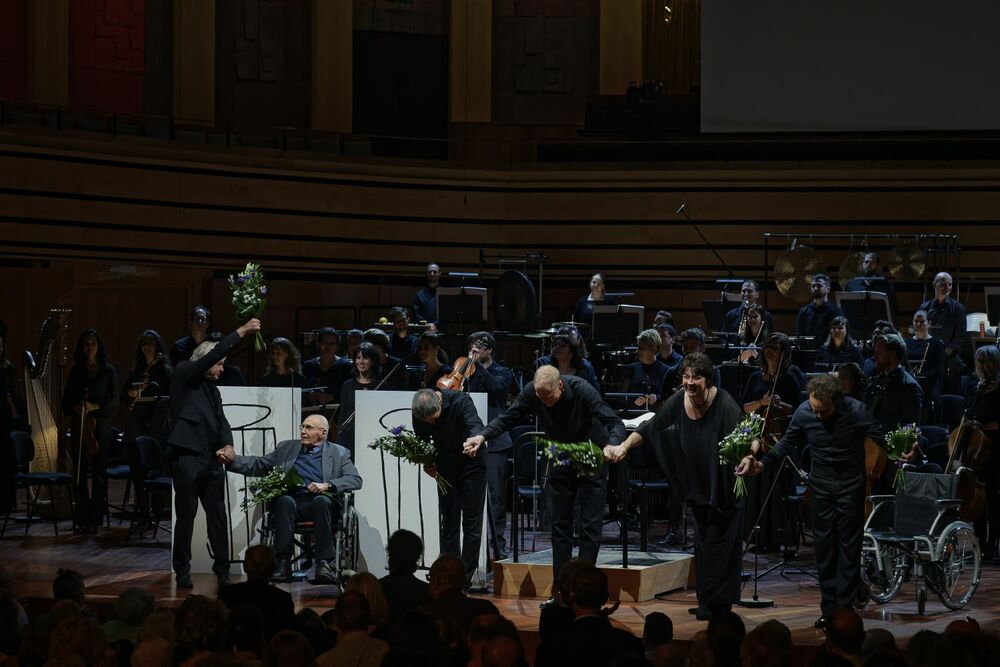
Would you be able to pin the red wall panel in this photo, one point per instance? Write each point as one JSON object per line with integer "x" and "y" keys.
{"x": 14, "y": 50}
{"x": 106, "y": 55}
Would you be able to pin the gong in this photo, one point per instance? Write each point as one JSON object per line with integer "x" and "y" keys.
{"x": 793, "y": 272}
{"x": 515, "y": 303}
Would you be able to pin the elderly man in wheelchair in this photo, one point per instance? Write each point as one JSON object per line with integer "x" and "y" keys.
{"x": 328, "y": 473}
{"x": 920, "y": 532}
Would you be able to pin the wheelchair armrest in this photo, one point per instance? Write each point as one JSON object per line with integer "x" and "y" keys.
{"x": 948, "y": 502}
{"x": 878, "y": 500}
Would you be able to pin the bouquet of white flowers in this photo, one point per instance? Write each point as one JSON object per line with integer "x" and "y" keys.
{"x": 585, "y": 458}
{"x": 738, "y": 445}
{"x": 898, "y": 443}
{"x": 249, "y": 292}
{"x": 407, "y": 445}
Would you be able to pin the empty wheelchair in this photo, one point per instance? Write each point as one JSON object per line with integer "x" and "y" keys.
{"x": 918, "y": 532}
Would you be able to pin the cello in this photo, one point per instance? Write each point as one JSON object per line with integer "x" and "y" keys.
{"x": 968, "y": 451}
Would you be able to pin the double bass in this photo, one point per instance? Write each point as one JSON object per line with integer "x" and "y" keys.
{"x": 968, "y": 451}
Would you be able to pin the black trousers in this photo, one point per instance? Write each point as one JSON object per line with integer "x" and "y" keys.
{"x": 91, "y": 496}
{"x": 838, "y": 506}
{"x": 199, "y": 477}
{"x": 461, "y": 510}
{"x": 496, "y": 482}
{"x": 319, "y": 509}
{"x": 566, "y": 490}
{"x": 718, "y": 555}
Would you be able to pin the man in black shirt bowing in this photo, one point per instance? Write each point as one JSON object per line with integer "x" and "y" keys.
{"x": 568, "y": 410}
{"x": 448, "y": 419}
{"x": 836, "y": 427}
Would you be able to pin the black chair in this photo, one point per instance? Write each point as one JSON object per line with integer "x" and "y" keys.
{"x": 952, "y": 406}
{"x": 640, "y": 464}
{"x": 24, "y": 453}
{"x": 120, "y": 471}
{"x": 529, "y": 481}
{"x": 935, "y": 435}
{"x": 151, "y": 485}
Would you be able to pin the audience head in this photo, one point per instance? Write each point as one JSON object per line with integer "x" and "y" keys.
{"x": 563, "y": 589}
{"x": 352, "y": 612}
{"x": 766, "y": 646}
{"x": 134, "y": 605}
{"x": 656, "y": 630}
{"x": 415, "y": 640}
{"x": 447, "y": 573}
{"x": 158, "y": 625}
{"x": 81, "y": 636}
{"x": 200, "y": 625}
{"x": 878, "y": 641}
{"x": 589, "y": 591}
{"x": 845, "y": 632}
{"x": 503, "y": 651}
{"x": 404, "y": 551}
{"x": 68, "y": 585}
{"x": 725, "y": 635}
{"x": 153, "y": 652}
{"x": 259, "y": 562}
{"x": 367, "y": 585}
{"x": 288, "y": 648}
{"x": 284, "y": 355}
{"x": 485, "y": 628}
{"x": 245, "y": 628}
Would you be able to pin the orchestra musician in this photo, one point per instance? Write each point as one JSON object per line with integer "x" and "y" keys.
{"x": 646, "y": 376}
{"x": 565, "y": 354}
{"x": 692, "y": 340}
{"x": 668, "y": 354}
{"x": 754, "y": 332}
{"x": 894, "y": 396}
{"x": 366, "y": 376}
{"x": 11, "y": 409}
{"x": 283, "y": 366}
{"x": 947, "y": 318}
{"x": 354, "y": 338}
{"x": 392, "y": 367}
{"x": 870, "y": 280}
{"x": 814, "y": 318}
{"x": 985, "y": 416}
{"x": 685, "y": 436}
{"x": 402, "y": 343}
{"x": 200, "y": 319}
{"x": 149, "y": 377}
{"x": 328, "y": 371}
{"x": 448, "y": 419}
{"x": 839, "y": 348}
{"x": 584, "y": 309}
{"x": 854, "y": 382}
{"x": 496, "y": 381}
{"x": 568, "y": 410}
{"x": 835, "y": 427}
{"x": 432, "y": 358}
{"x": 89, "y": 399}
{"x": 663, "y": 317}
{"x": 750, "y": 293}
{"x": 926, "y": 361}
{"x": 425, "y": 300}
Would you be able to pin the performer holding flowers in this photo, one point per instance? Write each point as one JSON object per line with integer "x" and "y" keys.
{"x": 250, "y": 297}
{"x": 686, "y": 435}
{"x": 835, "y": 426}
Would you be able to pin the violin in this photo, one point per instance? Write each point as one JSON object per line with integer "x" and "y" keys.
{"x": 968, "y": 451}
{"x": 145, "y": 380}
{"x": 464, "y": 368}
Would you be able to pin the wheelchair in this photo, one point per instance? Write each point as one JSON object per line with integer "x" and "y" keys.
{"x": 918, "y": 532}
{"x": 346, "y": 546}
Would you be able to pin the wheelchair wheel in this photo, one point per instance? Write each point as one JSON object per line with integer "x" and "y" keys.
{"x": 883, "y": 583}
{"x": 348, "y": 551}
{"x": 958, "y": 567}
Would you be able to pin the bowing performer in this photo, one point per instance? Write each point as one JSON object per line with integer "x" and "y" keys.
{"x": 568, "y": 409}
{"x": 685, "y": 436}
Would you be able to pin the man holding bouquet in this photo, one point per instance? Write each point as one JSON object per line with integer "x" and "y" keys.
{"x": 447, "y": 419}
{"x": 569, "y": 410}
{"x": 326, "y": 471}
{"x": 836, "y": 427}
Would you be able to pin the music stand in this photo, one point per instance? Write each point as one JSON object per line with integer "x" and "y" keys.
{"x": 863, "y": 310}
{"x": 614, "y": 324}
{"x": 461, "y": 306}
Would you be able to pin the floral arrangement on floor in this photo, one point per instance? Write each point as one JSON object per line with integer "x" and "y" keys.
{"x": 585, "y": 458}
{"x": 738, "y": 445}
{"x": 271, "y": 486}
{"x": 898, "y": 443}
{"x": 407, "y": 445}
{"x": 249, "y": 296}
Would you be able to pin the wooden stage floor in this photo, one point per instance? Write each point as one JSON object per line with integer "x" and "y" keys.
{"x": 110, "y": 568}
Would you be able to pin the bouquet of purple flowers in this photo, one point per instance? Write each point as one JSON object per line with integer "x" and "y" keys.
{"x": 407, "y": 445}
{"x": 585, "y": 458}
{"x": 249, "y": 296}
{"x": 738, "y": 445}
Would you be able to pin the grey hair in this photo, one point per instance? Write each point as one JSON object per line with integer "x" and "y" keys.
{"x": 203, "y": 349}
{"x": 426, "y": 402}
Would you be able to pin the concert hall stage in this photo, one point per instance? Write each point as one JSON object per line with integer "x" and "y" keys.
{"x": 110, "y": 567}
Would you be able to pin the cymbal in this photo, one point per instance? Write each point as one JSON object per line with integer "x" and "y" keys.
{"x": 578, "y": 325}
{"x": 793, "y": 272}
{"x": 907, "y": 261}
{"x": 540, "y": 334}
{"x": 551, "y": 332}
{"x": 850, "y": 267}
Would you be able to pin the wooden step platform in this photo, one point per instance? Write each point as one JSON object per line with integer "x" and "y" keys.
{"x": 647, "y": 574}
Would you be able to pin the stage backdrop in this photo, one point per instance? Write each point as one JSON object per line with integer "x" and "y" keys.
{"x": 260, "y": 417}
{"x": 407, "y": 498}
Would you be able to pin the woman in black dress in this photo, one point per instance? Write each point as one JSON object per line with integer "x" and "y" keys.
{"x": 89, "y": 399}
{"x": 925, "y": 354}
{"x": 149, "y": 377}
{"x": 429, "y": 351}
{"x": 685, "y": 435}
{"x": 284, "y": 366}
{"x": 983, "y": 400}
{"x": 646, "y": 375}
{"x": 839, "y": 347}
{"x": 366, "y": 376}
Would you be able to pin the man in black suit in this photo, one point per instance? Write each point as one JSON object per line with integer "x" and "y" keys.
{"x": 276, "y": 605}
{"x": 591, "y": 640}
{"x": 448, "y": 419}
{"x": 326, "y": 470}
{"x": 448, "y": 603}
{"x": 198, "y": 429}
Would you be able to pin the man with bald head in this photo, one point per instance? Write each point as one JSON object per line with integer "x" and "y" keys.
{"x": 568, "y": 410}
{"x": 946, "y": 317}
{"x": 327, "y": 471}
